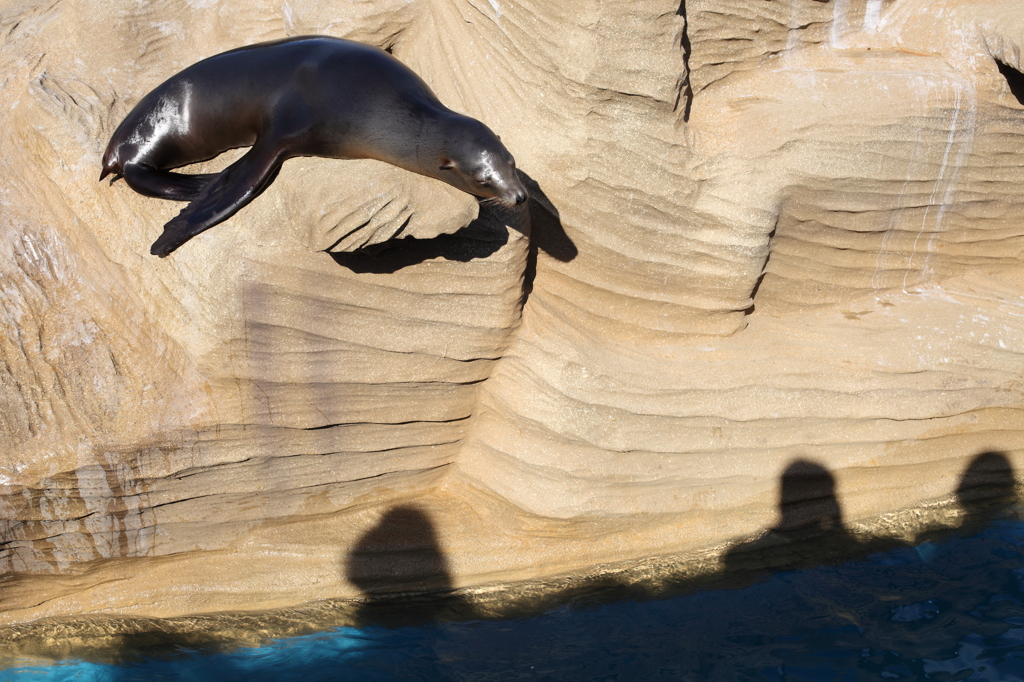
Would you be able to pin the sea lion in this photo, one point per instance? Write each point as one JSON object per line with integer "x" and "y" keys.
{"x": 306, "y": 96}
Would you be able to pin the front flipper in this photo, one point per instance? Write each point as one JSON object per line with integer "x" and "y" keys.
{"x": 151, "y": 182}
{"x": 225, "y": 195}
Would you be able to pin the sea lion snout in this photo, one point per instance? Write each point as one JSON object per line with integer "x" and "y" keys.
{"x": 514, "y": 193}
{"x": 508, "y": 191}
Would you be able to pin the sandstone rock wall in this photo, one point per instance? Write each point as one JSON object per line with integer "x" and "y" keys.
{"x": 758, "y": 233}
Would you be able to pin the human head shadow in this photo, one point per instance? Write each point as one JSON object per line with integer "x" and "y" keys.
{"x": 810, "y": 530}
{"x": 483, "y": 237}
{"x": 403, "y": 550}
{"x": 986, "y": 490}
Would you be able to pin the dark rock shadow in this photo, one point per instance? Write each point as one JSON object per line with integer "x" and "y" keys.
{"x": 402, "y": 553}
{"x": 987, "y": 489}
{"x": 1014, "y": 79}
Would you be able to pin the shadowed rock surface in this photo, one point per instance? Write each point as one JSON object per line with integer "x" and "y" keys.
{"x": 761, "y": 233}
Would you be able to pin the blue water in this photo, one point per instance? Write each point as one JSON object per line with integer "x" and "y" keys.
{"x": 948, "y": 610}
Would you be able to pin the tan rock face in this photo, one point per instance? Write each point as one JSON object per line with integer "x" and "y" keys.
{"x": 759, "y": 233}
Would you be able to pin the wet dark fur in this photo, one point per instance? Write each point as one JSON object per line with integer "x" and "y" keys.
{"x": 308, "y": 96}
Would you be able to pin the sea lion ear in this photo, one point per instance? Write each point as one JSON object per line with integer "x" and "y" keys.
{"x": 446, "y": 164}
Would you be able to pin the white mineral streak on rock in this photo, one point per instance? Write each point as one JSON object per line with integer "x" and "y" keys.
{"x": 929, "y": 89}
{"x": 286, "y": 9}
{"x": 873, "y": 15}
{"x": 821, "y": 263}
{"x": 961, "y": 136}
{"x": 840, "y": 23}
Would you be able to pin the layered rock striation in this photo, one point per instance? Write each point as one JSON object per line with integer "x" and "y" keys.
{"x": 758, "y": 234}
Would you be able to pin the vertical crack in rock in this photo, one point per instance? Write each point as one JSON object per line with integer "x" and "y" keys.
{"x": 684, "y": 91}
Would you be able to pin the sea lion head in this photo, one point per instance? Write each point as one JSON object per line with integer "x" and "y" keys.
{"x": 476, "y": 162}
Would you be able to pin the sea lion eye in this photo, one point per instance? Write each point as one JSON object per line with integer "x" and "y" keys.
{"x": 482, "y": 183}
{"x": 446, "y": 165}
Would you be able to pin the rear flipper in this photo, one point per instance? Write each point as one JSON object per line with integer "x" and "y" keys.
{"x": 151, "y": 182}
{"x": 221, "y": 198}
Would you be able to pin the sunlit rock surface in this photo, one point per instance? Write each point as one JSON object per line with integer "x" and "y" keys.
{"x": 761, "y": 233}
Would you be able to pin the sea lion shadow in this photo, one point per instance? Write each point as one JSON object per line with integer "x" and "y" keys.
{"x": 402, "y": 549}
{"x": 539, "y": 220}
{"x": 546, "y": 231}
{"x": 479, "y": 239}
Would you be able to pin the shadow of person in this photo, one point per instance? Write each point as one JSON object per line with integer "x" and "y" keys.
{"x": 399, "y": 567}
{"x": 810, "y": 529}
{"x": 987, "y": 488}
